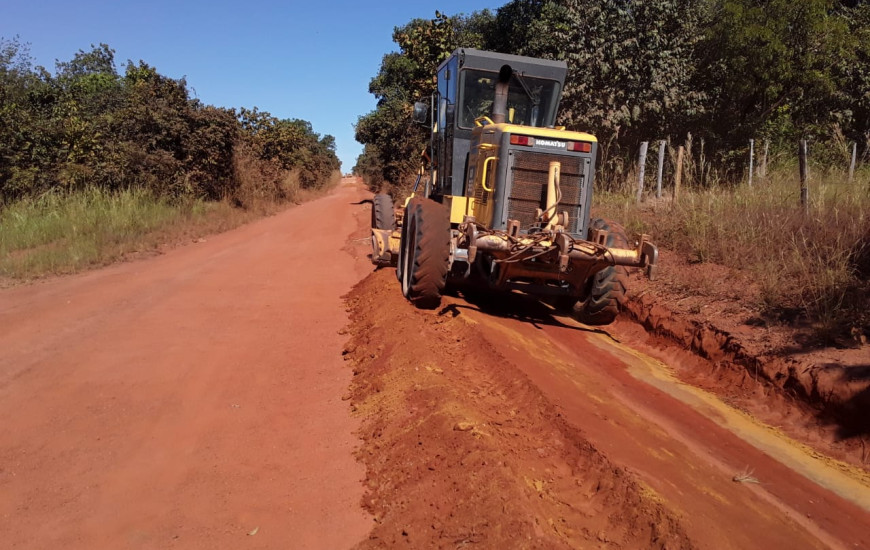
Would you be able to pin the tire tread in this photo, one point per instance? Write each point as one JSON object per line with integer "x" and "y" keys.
{"x": 609, "y": 286}
{"x": 431, "y": 253}
{"x": 382, "y": 212}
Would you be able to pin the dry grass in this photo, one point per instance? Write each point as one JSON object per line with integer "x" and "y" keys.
{"x": 262, "y": 184}
{"x": 64, "y": 233}
{"x": 812, "y": 265}
{"x": 746, "y": 476}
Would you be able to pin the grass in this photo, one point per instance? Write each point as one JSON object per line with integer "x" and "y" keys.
{"x": 812, "y": 264}
{"x": 61, "y": 233}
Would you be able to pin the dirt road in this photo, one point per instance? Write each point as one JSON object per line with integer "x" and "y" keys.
{"x": 192, "y": 400}
{"x": 200, "y": 400}
{"x": 497, "y": 410}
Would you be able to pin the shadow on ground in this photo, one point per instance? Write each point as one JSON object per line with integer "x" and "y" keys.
{"x": 850, "y": 415}
{"x": 513, "y": 305}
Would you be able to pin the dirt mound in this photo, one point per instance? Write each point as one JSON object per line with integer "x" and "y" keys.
{"x": 461, "y": 448}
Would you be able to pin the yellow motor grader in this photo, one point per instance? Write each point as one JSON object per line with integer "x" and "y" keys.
{"x": 506, "y": 196}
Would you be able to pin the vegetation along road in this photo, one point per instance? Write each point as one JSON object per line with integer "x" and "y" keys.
{"x": 223, "y": 395}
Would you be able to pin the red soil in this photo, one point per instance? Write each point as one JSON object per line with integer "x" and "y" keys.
{"x": 506, "y": 426}
{"x": 199, "y": 400}
{"x": 190, "y": 400}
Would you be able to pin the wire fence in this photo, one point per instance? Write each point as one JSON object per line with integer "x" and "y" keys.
{"x": 677, "y": 166}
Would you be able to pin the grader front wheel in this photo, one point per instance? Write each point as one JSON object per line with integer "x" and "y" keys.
{"x": 382, "y": 212}
{"x": 425, "y": 253}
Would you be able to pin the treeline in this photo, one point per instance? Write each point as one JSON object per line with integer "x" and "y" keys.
{"x": 723, "y": 71}
{"x": 87, "y": 126}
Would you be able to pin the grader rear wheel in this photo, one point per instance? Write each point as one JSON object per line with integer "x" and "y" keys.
{"x": 425, "y": 252}
{"x": 607, "y": 289}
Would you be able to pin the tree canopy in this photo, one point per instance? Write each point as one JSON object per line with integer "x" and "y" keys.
{"x": 407, "y": 76}
{"x": 89, "y": 125}
{"x": 722, "y": 70}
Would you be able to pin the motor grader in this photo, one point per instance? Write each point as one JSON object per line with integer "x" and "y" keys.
{"x": 503, "y": 200}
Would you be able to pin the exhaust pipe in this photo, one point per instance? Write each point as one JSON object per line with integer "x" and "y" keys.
{"x": 499, "y": 105}
{"x": 552, "y": 194}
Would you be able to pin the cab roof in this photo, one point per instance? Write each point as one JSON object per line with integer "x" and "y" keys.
{"x": 493, "y": 61}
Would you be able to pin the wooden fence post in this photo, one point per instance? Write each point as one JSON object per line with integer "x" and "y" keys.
{"x": 661, "y": 168}
{"x": 852, "y": 165}
{"x": 751, "y": 159}
{"x": 679, "y": 175}
{"x": 805, "y": 193}
{"x": 641, "y": 165}
{"x": 764, "y": 159}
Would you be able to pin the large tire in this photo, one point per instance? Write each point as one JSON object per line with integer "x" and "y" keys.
{"x": 607, "y": 289}
{"x": 412, "y": 205}
{"x": 382, "y": 212}
{"x": 425, "y": 252}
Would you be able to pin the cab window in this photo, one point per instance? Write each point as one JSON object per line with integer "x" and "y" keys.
{"x": 531, "y": 101}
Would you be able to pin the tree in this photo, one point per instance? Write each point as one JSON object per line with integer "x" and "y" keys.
{"x": 853, "y": 72}
{"x": 771, "y": 68}
{"x": 405, "y": 77}
{"x": 630, "y": 65}
{"x": 724, "y": 70}
{"x": 21, "y": 91}
{"x": 292, "y": 143}
{"x": 526, "y": 27}
{"x": 88, "y": 126}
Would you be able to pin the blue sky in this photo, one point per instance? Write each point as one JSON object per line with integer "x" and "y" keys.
{"x": 300, "y": 59}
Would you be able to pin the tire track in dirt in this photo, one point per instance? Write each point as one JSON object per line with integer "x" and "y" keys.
{"x": 497, "y": 423}
{"x": 461, "y": 448}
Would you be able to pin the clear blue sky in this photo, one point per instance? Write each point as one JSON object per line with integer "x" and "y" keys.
{"x": 296, "y": 59}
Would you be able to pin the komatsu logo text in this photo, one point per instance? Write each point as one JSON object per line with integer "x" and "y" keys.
{"x": 548, "y": 143}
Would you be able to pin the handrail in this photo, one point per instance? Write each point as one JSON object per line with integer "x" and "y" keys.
{"x": 483, "y": 179}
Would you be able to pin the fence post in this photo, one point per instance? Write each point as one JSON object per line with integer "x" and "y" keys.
{"x": 852, "y": 165}
{"x": 661, "y": 168}
{"x": 751, "y": 159}
{"x": 802, "y": 156}
{"x": 763, "y": 173}
{"x": 641, "y": 165}
{"x": 679, "y": 175}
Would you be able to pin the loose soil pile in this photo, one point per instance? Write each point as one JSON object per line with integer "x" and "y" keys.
{"x": 461, "y": 448}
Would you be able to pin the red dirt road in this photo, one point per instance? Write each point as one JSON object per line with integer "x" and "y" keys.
{"x": 191, "y": 400}
{"x": 199, "y": 400}
{"x": 576, "y": 440}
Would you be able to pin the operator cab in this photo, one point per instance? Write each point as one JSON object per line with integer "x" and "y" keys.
{"x": 466, "y": 84}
